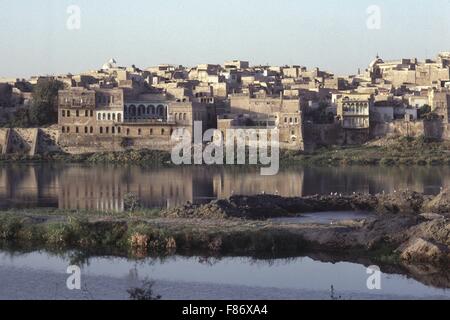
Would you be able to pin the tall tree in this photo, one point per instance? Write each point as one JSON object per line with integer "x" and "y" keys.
{"x": 44, "y": 108}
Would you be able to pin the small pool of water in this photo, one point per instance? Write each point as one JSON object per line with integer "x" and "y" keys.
{"x": 39, "y": 275}
{"x": 326, "y": 217}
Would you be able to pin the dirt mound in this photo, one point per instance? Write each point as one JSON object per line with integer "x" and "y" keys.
{"x": 421, "y": 250}
{"x": 270, "y": 206}
{"x": 439, "y": 204}
{"x": 401, "y": 202}
{"x": 218, "y": 209}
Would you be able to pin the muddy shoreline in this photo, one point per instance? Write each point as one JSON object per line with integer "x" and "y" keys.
{"x": 408, "y": 231}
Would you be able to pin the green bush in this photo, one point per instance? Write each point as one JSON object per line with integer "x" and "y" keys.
{"x": 10, "y": 227}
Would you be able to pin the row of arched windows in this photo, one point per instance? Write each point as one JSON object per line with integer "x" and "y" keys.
{"x": 180, "y": 116}
{"x": 356, "y": 107}
{"x": 291, "y": 120}
{"x": 109, "y": 116}
{"x": 106, "y": 130}
{"x": 66, "y": 129}
{"x": 78, "y": 113}
{"x": 142, "y": 110}
{"x": 111, "y": 130}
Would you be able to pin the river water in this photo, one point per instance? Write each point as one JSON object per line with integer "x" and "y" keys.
{"x": 39, "y": 275}
{"x": 102, "y": 187}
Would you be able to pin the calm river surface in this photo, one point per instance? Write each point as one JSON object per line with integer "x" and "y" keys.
{"x": 41, "y": 275}
{"x": 102, "y": 187}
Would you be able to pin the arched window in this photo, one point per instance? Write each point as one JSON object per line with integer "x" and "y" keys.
{"x": 85, "y": 129}
{"x": 68, "y": 129}
{"x": 141, "y": 110}
{"x": 160, "y": 110}
{"x": 152, "y": 109}
{"x": 113, "y": 130}
{"x": 63, "y": 129}
{"x": 128, "y": 132}
{"x": 91, "y": 130}
{"x": 118, "y": 130}
{"x": 101, "y": 130}
{"x": 151, "y": 131}
{"x": 184, "y": 116}
{"x": 107, "y": 130}
{"x": 139, "y": 131}
{"x": 109, "y": 116}
{"x": 114, "y": 117}
{"x": 132, "y": 110}
{"x": 162, "y": 131}
{"x": 119, "y": 117}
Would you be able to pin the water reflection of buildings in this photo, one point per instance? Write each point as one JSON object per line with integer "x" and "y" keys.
{"x": 103, "y": 187}
{"x": 27, "y": 186}
{"x": 288, "y": 184}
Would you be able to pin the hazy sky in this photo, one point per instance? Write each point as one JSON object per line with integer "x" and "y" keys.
{"x": 330, "y": 34}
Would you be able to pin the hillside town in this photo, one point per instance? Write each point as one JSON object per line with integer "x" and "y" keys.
{"x": 116, "y": 107}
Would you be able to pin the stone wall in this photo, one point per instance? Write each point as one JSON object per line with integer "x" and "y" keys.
{"x": 48, "y": 140}
{"x": 78, "y": 144}
{"x": 317, "y": 135}
{"x": 400, "y": 128}
{"x": 22, "y": 141}
{"x": 29, "y": 141}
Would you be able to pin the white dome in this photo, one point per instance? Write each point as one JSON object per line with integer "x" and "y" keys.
{"x": 109, "y": 65}
{"x": 106, "y": 66}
